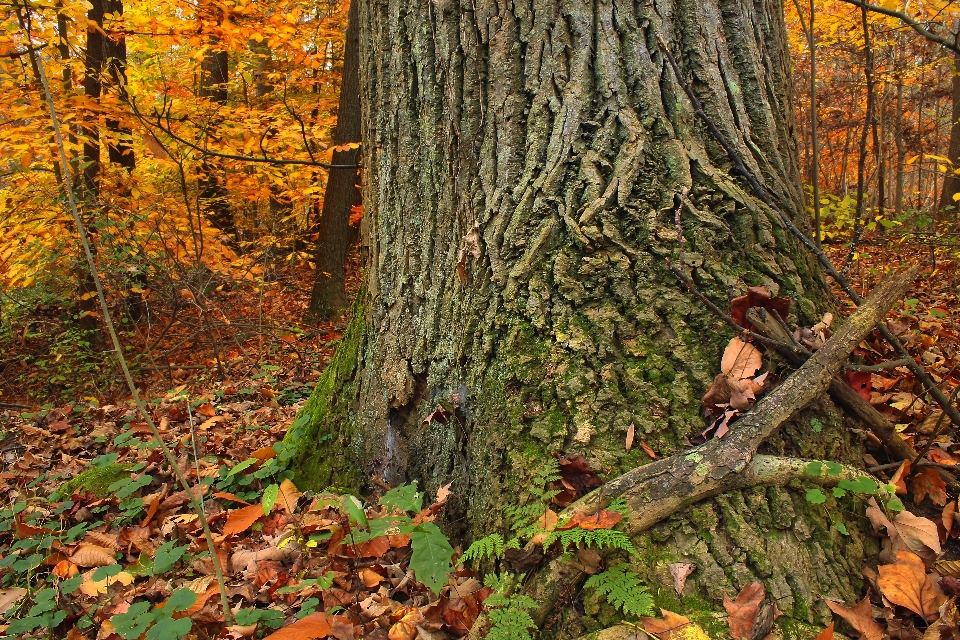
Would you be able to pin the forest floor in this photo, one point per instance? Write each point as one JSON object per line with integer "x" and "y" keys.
{"x": 128, "y": 535}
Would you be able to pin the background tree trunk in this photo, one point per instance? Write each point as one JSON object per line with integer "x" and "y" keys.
{"x": 951, "y": 184}
{"x": 214, "y": 75}
{"x": 523, "y": 166}
{"x": 328, "y": 297}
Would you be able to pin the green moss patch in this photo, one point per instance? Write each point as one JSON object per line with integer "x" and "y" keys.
{"x": 96, "y": 480}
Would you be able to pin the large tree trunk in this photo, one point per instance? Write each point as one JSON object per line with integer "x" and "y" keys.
{"x": 213, "y": 203}
{"x": 951, "y": 184}
{"x": 523, "y": 166}
{"x": 328, "y": 297}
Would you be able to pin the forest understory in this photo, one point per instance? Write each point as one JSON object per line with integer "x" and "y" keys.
{"x": 90, "y": 501}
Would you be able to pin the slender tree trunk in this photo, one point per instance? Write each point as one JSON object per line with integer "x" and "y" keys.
{"x": 213, "y": 203}
{"x": 119, "y": 148}
{"x": 95, "y": 58}
{"x": 522, "y": 168}
{"x": 901, "y": 153}
{"x": 951, "y": 185}
{"x": 328, "y": 297}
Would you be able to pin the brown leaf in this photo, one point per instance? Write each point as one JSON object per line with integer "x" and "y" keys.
{"x": 369, "y": 577}
{"x": 859, "y": 617}
{"x": 663, "y": 628}
{"x": 742, "y": 395}
{"x": 10, "y": 597}
{"x": 631, "y": 432}
{"x": 907, "y": 584}
{"x": 206, "y": 409}
{"x": 826, "y": 634}
{"x": 591, "y": 522}
{"x": 899, "y": 477}
{"x": 919, "y": 534}
{"x": 717, "y": 396}
{"x": 239, "y": 520}
{"x": 741, "y": 359}
{"x": 288, "y": 496}
{"x": 225, "y": 495}
{"x": 577, "y": 475}
{"x": 929, "y": 483}
{"x": 742, "y": 612}
{"x": 647, "y": 450}
{"x": 757, "y": 297}
{"x": 547, "y": 522}
{"x": 313, "y": 626}
{"x": 947, "y": 518}
{"x": 65, "y": 569}
{"x": 680, "y": 572}
{"x": 89, "y": 555}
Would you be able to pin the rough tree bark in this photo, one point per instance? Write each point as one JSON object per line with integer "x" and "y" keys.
{"x": 951, "y": 184}
{"x": 328, "y": 298}
{"x": 524, "y": 163}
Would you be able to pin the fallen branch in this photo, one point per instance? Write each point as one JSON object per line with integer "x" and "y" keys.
{"x": 761, "y": 193}
{"x": 839, "y": 391}
{"x": 874, "y": 368}
{"x": 658, "y": 490}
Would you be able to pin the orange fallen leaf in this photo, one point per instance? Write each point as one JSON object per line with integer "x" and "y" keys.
{"x": 206, "y": 409}
{"x": 592, "y": 521}
{"x": 65, "y": 569}
{"x": 313, "y": 626}
{"x": 860, "y": 617}
{"x": 663, "y": 628}
{"x": 740, "y": 359}
{"x": 898, "y": 478}
{"x": 225, "y": 495}
{"x": 929, "y": 483}
{"x": 826, "y": 634}
{"x": 647, "y": 450}
{"x": 406, "y": 627}
{"x": 947, "y": 518}
{"x": 263, "y": 454}
{"x": 631, "y": 432}
{"x": 906, "y": 583}
{"x": 370, "y": 578}
{"x": 239, "y": 520}
{"x": 288, "y": 496}
{"x": 742, "y": 612}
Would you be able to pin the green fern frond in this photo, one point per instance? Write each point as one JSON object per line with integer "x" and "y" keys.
{"x": 620, "y": 506}
{"x": 489, "y": 547}
{"x": 600, "y": 538}
{"x": 623, "y": 590}
{"x": 510, "y": 624}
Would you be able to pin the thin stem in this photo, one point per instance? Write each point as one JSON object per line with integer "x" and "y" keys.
{"x": 111, "y": 329}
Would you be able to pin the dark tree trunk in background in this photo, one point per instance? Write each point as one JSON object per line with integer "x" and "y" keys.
{"x": 328, "y": 298}
{"x": 522, "y": 167}
{"x": 951, "y": 185}
{"x": 214, "y": 75}
{"x": 120, "y": 147}
{"x": 95, "y": 58}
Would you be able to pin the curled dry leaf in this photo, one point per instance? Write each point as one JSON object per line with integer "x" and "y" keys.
{"x": 680, "y": 572}
{"x": 859, "y": 617}
{"x": 591, "y": 522}
{"x": 369, "y": 577}
{"x": 741, "y": 359}
{"x": 906, "y": 583}
{"x": 757, "y": 297}
{"x": 918, "y": 534}
{"x": 631, "y": 432}
{"x": 899, "y": 478}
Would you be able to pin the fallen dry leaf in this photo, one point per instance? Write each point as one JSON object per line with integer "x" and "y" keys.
{"x": 89, "y": 587}
{"x": 740, "y": 359}
{"x": 826, "y": 634}
{"x": 288, "y": 496}
{"x": 671, "y": 623}
{"x": 239, "y": 520}
{"x": 929, "y": 483}
{"x": 10, "y": 597}
{"x": 680, "y": 572}
{"x": 742, "y": 612}
{"x": 648, "y": 450}
{"x": 313, "y": 626}
{"x": 907, "y": 584}
{"x": 859, "y": 617}
{"x": 918, "y": 534}
{"x": 631, "y": 432}
{"x": 369, "y": 577}
{"x": 89, "y": 555}
{"x": 591, "y": 522}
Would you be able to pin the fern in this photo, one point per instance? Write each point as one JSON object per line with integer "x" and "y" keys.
{"x": 489, "y": 547}
{"x": 620, "y": 506}
{"x": 526, "y": 517}
{"x": 508, "y": 612}
{"x": 600, "y": 538}
{"x": 623, "y": 590}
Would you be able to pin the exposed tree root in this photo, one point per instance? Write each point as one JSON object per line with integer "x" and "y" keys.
{"x": 658, "y": 490}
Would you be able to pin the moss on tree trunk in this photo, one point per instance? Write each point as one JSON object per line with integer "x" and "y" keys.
{"x": 524, "y": 166}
